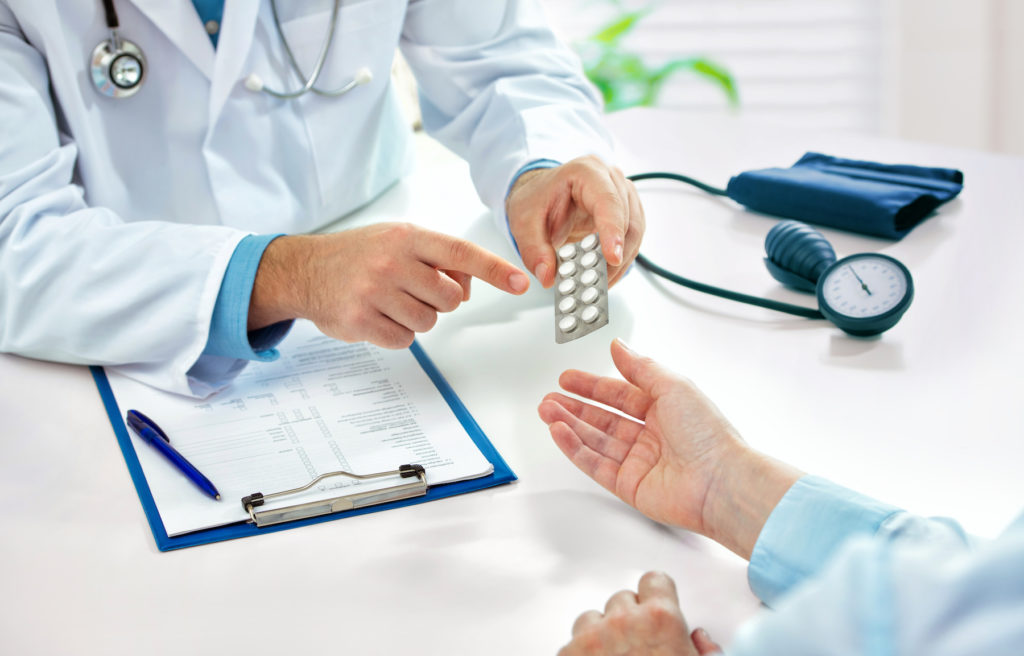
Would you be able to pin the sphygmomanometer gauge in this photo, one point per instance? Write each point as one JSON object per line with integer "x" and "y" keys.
{"x": 865, "y": 294}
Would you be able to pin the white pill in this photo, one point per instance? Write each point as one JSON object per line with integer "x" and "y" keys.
{"x": 567, "y": 304}
{"x": 567, "y": 324}
{"x": 589, "y": 260}
{"x": 589, "y": 242}
{"x": 589, "y": 277}
{"x": 567, "y": 286}
{"x": 589, "y": 295}
{"x": 590, "y": 314}
{"x": 566, "y": 269}
{"x": 567, "y": 252}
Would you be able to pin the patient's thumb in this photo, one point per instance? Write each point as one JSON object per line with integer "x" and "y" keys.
{"x": 642, "y": 371}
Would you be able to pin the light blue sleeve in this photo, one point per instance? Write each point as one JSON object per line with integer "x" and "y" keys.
{"x": 811, "y": 522}
{"x": 849, "y": 575}
{"x": 230, "y": 346}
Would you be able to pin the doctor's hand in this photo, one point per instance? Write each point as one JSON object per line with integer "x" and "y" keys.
{"x": 549, "y": 207}
{"x": 381, "y": 284}
{"x": 673, "y": 456}
{"x": 645, "y": 623}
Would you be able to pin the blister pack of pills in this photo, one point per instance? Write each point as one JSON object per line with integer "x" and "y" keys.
{"x": 581, "y": 289}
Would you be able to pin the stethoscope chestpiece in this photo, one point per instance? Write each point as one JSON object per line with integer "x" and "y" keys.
{"x": 118, "y": 67}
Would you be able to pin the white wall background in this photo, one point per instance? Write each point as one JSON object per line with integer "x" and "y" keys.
{"x": 957, "y": 73}
{"x": 943, "y": 71}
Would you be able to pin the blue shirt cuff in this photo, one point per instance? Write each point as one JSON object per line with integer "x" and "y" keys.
{"x": 229, "y": 336}
{"x": 811, "y": 522}
{"x": 535, "y": 164}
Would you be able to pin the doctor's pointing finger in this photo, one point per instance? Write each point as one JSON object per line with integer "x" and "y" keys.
{"x": 381, "y": 284}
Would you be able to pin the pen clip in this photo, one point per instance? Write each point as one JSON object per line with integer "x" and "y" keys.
{"x": 138, "y": 421}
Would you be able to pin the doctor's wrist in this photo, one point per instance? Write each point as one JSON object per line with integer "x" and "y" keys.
{"x": 279, "y": 292}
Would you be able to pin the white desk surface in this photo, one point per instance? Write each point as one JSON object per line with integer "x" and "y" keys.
{"x": 928, "y": 416}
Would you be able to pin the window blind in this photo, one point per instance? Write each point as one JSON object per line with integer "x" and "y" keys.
{"x": 812, "y": 63}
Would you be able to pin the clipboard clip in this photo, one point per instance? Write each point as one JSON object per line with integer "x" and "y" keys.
{"x": 396, "y": 492}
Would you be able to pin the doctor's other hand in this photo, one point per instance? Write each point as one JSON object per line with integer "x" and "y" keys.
{"x": 645, "y": 623}
{"x": 548, "y": 207}
{"x": 381, "y": 284}
{"x": 673, "y": 456}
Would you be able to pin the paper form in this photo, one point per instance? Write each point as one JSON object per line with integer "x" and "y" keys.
{"x": 323, "y": 406}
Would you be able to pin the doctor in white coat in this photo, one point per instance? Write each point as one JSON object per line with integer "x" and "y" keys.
{"x": 153, "y": 210}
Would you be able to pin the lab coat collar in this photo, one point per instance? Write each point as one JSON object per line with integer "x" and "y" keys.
{"x": 180, "y": 23}
{"x": 233, "y": 46}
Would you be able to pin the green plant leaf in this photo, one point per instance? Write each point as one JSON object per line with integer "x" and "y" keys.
{"x": 713, "y": 71}
{"x": 618, "y": 28}
{"x": 623, "y": 78}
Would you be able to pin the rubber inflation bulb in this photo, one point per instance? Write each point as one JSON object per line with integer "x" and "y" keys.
{"x": 797, "y": 254}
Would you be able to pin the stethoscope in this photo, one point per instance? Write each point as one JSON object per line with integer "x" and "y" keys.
{"x": 119, "y": 67}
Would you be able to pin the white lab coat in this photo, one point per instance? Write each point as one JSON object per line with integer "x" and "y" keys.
{"x": 118, "y": 216}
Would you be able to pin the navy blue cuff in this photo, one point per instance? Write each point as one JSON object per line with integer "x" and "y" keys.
{"x": 535, "y": 164}
{"x": 882, "y": 200}
{"x": 229, "y": 336}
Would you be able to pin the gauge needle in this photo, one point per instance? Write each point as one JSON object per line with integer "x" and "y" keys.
{"x": 862, "y": 285}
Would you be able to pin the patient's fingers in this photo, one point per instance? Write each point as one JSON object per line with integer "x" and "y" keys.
{"x": 612, "y": 392}
{"x": 603, "y": 470}
{"x": 619, "y": 427}
{"x": 599, "y": 441}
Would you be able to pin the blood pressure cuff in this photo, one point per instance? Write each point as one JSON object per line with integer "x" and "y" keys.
{"x": 884, "y": 200}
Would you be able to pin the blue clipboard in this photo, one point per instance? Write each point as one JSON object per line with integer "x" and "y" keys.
{"x": 502, "y": 473}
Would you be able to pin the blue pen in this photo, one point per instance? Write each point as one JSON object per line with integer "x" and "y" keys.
{"x": 145, "y": 428}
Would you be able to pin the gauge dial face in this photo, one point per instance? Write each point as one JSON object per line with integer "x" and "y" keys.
{"x": 864, "y": 286}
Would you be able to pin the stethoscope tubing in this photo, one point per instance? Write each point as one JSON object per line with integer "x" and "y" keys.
{"x": 320, "y": 60}
{"x": 111, "y": 14}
